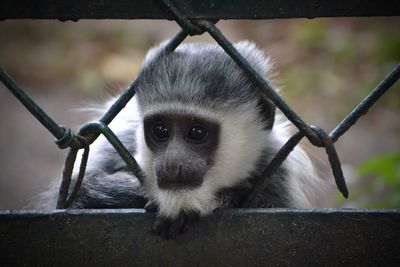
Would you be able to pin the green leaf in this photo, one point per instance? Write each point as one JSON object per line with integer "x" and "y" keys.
{"x": 386, "y": 167}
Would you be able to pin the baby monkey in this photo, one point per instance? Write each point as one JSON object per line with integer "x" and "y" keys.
{"x": 202, "y": 135}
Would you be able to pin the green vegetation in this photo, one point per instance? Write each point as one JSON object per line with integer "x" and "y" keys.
{"x": 379, "y": 186}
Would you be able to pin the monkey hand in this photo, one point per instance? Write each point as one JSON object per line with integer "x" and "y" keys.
{"x": 170, "y": 228}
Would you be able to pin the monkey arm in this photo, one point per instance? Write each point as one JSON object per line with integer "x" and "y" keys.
{"x": 103, "y": 190}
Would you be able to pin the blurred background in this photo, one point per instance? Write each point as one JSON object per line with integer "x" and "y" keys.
{"x": 325, "y": 68}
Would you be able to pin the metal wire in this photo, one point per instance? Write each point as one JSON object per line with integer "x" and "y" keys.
{"x": 180, "y": 18}
{"x": 64, "y": 135}
{"x": 276, "y": 162}
{"x": 90, "y": 131}
{"x": 130, "y": 161}
{"x": 364, "y": 106}
{"x": 63, "y": 200}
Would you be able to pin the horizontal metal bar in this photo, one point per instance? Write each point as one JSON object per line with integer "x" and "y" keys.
{"x": 260, "y": 237}
{"x": 194, "y": 9}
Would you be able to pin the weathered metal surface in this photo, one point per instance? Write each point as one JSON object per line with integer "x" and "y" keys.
{"x": 228, "y": 238}
{"x": 204, "y": 9}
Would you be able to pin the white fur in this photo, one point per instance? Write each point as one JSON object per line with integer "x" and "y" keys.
{"x": 305, "y": 185}
{"x": 242, "y": 141}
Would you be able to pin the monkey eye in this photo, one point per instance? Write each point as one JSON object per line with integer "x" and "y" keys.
{"x": 196, "y": 134}
{"x": 160, "y": 131}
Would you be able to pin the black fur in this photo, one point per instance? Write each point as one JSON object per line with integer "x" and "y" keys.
{"x": 196, "y": 74}
{"x": 98, "y": 190}
{"x": 98, "y": 193}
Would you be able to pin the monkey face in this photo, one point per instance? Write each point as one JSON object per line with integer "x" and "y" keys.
{"x": 183, "y": 148}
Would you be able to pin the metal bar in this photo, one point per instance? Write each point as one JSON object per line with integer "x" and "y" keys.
{"x": 116, "y": 143}
{"x": 276, "y": 162}
{"x": 241, "y": 237}
{"x": 91, "y": 131}
{"x": 87, "y": 134}
{"x": 64, "y": 136}
{"x": 66, "y": 178}
{"x": 194, "y": 9}
{"x": 180, "y": 18}
{"x": 364, "y": 106}
{"x": 177, "y": 40}
{"x": 261, "y": 84}
{"x": 127, "y": 95}
{"x": 316, "y": 135}
{"x": 131, "y": 90}
{"x": 121, "y": 102}
{"x": 333, "y": 160}
{"x": 31, "y": 106}
{"x": 63, "y": 200}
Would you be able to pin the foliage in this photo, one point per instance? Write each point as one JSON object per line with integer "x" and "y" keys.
{"x": 381, "y": 185}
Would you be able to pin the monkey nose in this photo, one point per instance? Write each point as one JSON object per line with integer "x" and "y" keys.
{"x": 170, "y": 177}
{"x": 170, "y": 172}
{"x": 174, "y": 173}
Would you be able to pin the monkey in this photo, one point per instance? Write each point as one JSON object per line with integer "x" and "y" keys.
{"x": 202, "y": 135}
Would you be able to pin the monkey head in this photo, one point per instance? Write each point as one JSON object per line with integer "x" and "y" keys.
{"x": 204, "y": 124}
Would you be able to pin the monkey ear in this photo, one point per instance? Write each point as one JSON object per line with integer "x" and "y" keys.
{"x": 267, "y": 111}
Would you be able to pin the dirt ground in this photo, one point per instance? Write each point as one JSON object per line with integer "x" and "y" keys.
{"x": 65, "y": 65}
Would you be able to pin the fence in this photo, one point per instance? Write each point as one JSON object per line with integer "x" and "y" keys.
{"x": 290, "y": 234}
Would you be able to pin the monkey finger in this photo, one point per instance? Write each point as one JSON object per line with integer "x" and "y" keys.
{"x": 151, "y": 207}
{"x": 158, "y": 226}
{"x": 191, "y": 218}
{"x": 176, "y": 226}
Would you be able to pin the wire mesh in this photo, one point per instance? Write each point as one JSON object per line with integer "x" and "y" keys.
{"x": 89, "y": 132}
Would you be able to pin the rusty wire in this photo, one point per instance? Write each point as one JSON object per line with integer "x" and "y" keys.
{"x": 90, "y": 131}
